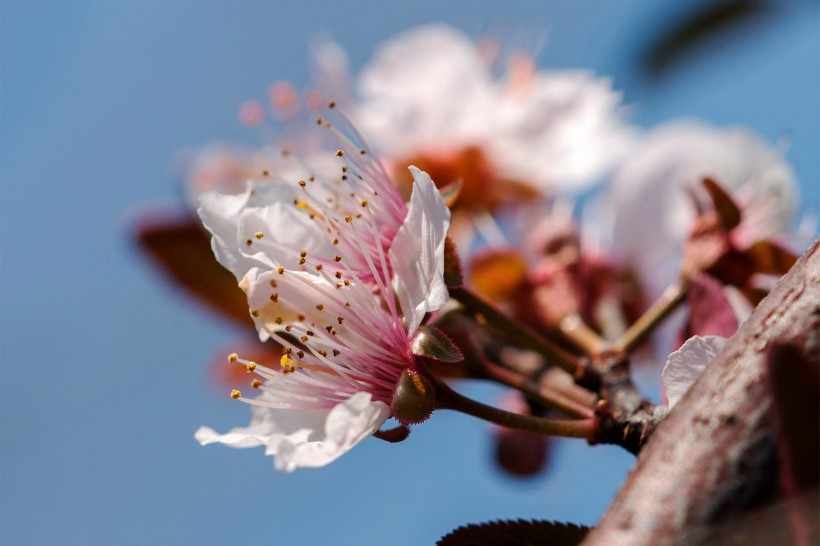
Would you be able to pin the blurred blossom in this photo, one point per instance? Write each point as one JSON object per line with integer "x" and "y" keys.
{"x": 340, "y": 272}
{"x": 651, "y": 196}
{"x": 430, "y": 97}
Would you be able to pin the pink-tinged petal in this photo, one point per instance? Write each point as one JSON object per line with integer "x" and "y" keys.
{"x": 344, "y": 426}
{"x": 685, "y": 365}
{"x": 417, "y": 252}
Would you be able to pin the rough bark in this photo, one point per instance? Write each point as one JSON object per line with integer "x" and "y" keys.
{"x": 715, "y": 455}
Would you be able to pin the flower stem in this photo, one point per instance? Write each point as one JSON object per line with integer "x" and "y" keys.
{"x": 447, "y": 398}
{"x": 541, "y": 393}
{"x": 521, "y": 333}
{"x": 668, "y": 301}
{"x": 582, "y": 336}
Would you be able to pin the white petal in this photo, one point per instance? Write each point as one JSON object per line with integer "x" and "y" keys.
{"x": 220, "y": 215}
{"x": 685, "y": 365}
{"x": 421, "y": 91}
{"x": 256, "y": 434}
{"x": 417, "y": 252}
{"x": 344, "y": 426}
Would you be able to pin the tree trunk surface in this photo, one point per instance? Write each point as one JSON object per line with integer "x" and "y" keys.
{"x": 716, "y": 456}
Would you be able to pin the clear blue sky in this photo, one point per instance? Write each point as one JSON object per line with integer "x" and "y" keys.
{"x": 102, "y": 363}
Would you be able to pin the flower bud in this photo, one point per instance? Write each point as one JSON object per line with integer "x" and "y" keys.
{"x": 414, "y": 399}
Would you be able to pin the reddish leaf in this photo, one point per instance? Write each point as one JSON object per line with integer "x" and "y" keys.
{"x": 770, "y": 258}
{"x": 498, "y": 274}
{"x": 182, "y": 250}
{"x": 725, "y": 206}
{"x": 710, "y": 313}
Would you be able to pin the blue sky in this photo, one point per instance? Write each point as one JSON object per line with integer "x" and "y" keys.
{"x": 102, "y": 381}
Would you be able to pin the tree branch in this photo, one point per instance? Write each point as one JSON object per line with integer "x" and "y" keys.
{"x": 714, "y": 456}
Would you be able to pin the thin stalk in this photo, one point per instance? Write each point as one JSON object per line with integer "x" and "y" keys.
{"x": 668, "y": 301}
{"x": 447, "y": 398}
{"x": 576, "y": 331}
{"x": 521, "y": 333}
{"x": 540, "y": 393}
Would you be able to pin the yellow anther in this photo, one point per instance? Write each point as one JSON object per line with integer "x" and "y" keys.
{"x": 254, "y": 313}
{"x": 319, "y": 267}
{"x": 274, "y": 297}
{"x": 304, "y": 339}
{"x": 347, "y": 283}
{"x": 249, "y": 242}
{"x": 320, "y": 307}
{"x": 301, "y": 261}
{"x": 338, "y": 274}
{"x": 233, "y": 357}
{"x": 337, "y": 258}
{"x": 278, "y": 320}
{"x": 280, "y": 270}
{"x": 335, "y": 241}
{"x": 273, "y": 284}
{"x": 322, "y": 353}
{"x": 358, "y": 215}
{"x": 259, "y": 234}
{"x": 303, "y": 204}
{"x": 344, "y": 168}
{"x": 302, "y": 183}
{"x": 251, "y": 366}
{"x": 336, "y": 352}
{"x": 340, "y": 319}
{"x": 312, "y": 178}
{"x": 348, "y": 219}
{"x": 287, "y": 362}
{"x": 331, "y": 104}
{"x": 235, "y": 394}
{"x": 300, "y": 354}
{"x": 303, "y": 253}
{"x": 340, "y": 153}
{"x": 319, "y": 121}
{"x": 256, "y": 383}
{"x": 364, "y": 202}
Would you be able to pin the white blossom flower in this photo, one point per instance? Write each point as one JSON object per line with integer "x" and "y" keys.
{"x": 340, "y": 273}
{"x": 685, "y": 365}
{"x": 655, "y": 185}
{"x": 429, "y": 94}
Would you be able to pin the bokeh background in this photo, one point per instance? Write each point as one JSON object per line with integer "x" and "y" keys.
{"x": 104, "y": 364}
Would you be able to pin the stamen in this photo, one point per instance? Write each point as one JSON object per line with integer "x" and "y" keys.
{"x": 235, "y": 394}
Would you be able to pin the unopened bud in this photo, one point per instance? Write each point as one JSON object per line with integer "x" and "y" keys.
{"x": 414, "y": 399}
{"x": 521, "y": 453}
